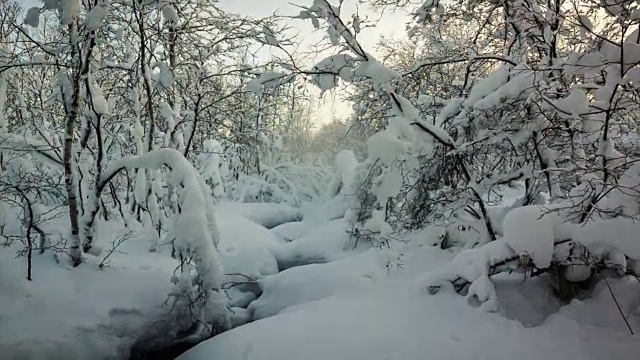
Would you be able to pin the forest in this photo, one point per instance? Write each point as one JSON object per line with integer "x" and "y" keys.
{"x": 168, "y": 189}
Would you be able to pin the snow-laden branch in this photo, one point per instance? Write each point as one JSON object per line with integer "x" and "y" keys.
{"x": 196, "y": 230}
{"x": 16, "y": 142}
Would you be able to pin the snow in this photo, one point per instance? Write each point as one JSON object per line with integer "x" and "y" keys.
{"x": 93, "y": 19}
{"x": 212, "y": 166}
{"x": 386, "y": 147}
{"x": 474, "y": 266}
{"x": 402, "y": 107}
{"x": 312, "y": 282}
{"x": 335, "y": 302}
{"x": 69, "y": 10}
{"x": 195, "y": 228}
{"x": 376, "y": 71}
{"x": 597, "y": 236}
{"x": 268, "y": 215}
{"x": 32, "y": 18}
{"x": 334, "y": 208}
{"x": 268, "y": 79}
{"x": 377, "y": 224}
{"x": 245, "y": 247}
{"x": 107, "y": 308}
{"x": 386, "y": 318}
{"x": 576, "y": 103}
{"x": 98, "y": 101}
{"x": 165, "y": 78}
{"x": 345, "y": 165}
{"x": 291, "y": 231}
{"x": 626, "y": 292}
{"x": 488, "y": 85}
{"x": 327, "y": 242}
{"x": 388, "y": 186}
{"x": 308, "y": 260}
{"x": 112, "y": 308}
{"x": 624, "y": 197}
{"x": 169, "y": 12}
{"x": 529, "y": 230}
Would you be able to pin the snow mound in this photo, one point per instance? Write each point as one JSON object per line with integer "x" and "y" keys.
{"x": 312, "y": 282}
{"x": 292, "y": 231}
{"x": 604, "y": 236}
{"x": 391, "y": 321}
{"x": 107, "y": 309}
{"x": 245, "y": 247}
{"x": 528, "y": 231}
{"x": 327, "y": 242}
{"x": 268, "y": 215}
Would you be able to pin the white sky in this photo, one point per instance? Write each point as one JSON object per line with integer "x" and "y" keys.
{"x": 333, "y": 106}
{"x": 389, "y": 25}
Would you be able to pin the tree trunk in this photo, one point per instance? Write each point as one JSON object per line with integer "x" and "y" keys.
{"x": 74, "y": 252}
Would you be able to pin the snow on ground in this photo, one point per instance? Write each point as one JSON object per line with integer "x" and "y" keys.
{"x": 312, "y": 282}
{"x": 368, "y": 305}
{"x": 394, "y": 320}
{"x": 333, "y": 301}
{"x": 326, "y": 242}
{"x": 600, "y": 309}
{"x": 86, "y": 313}
{"x": 245, "y": 247}
{"x": 291, "y": 231}
{"x": 268, "y": 215}
{"x": 529, "y": 301}
{"x": 80, "y": 313}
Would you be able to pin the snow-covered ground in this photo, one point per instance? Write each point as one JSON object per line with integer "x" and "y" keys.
{"x": 354, "y": 309}
{"x": 92, "y": 313}
{"x": 331, "y": 302}
{"x": 66, "y": 313}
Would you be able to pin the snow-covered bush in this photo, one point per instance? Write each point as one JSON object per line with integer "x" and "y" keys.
{"x": 528, "y": 111}
{"x": 278, "y": 178}
{"x": 213, "y": 167}
{"x": 194, "y": 234}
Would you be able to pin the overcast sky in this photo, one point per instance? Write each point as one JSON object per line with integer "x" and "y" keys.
{"x": 388, "y": 24}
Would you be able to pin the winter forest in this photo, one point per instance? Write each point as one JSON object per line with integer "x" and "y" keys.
{"x": 173, "y": 184}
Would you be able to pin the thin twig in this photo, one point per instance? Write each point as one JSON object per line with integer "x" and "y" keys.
{"x": 618, "y": 306}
